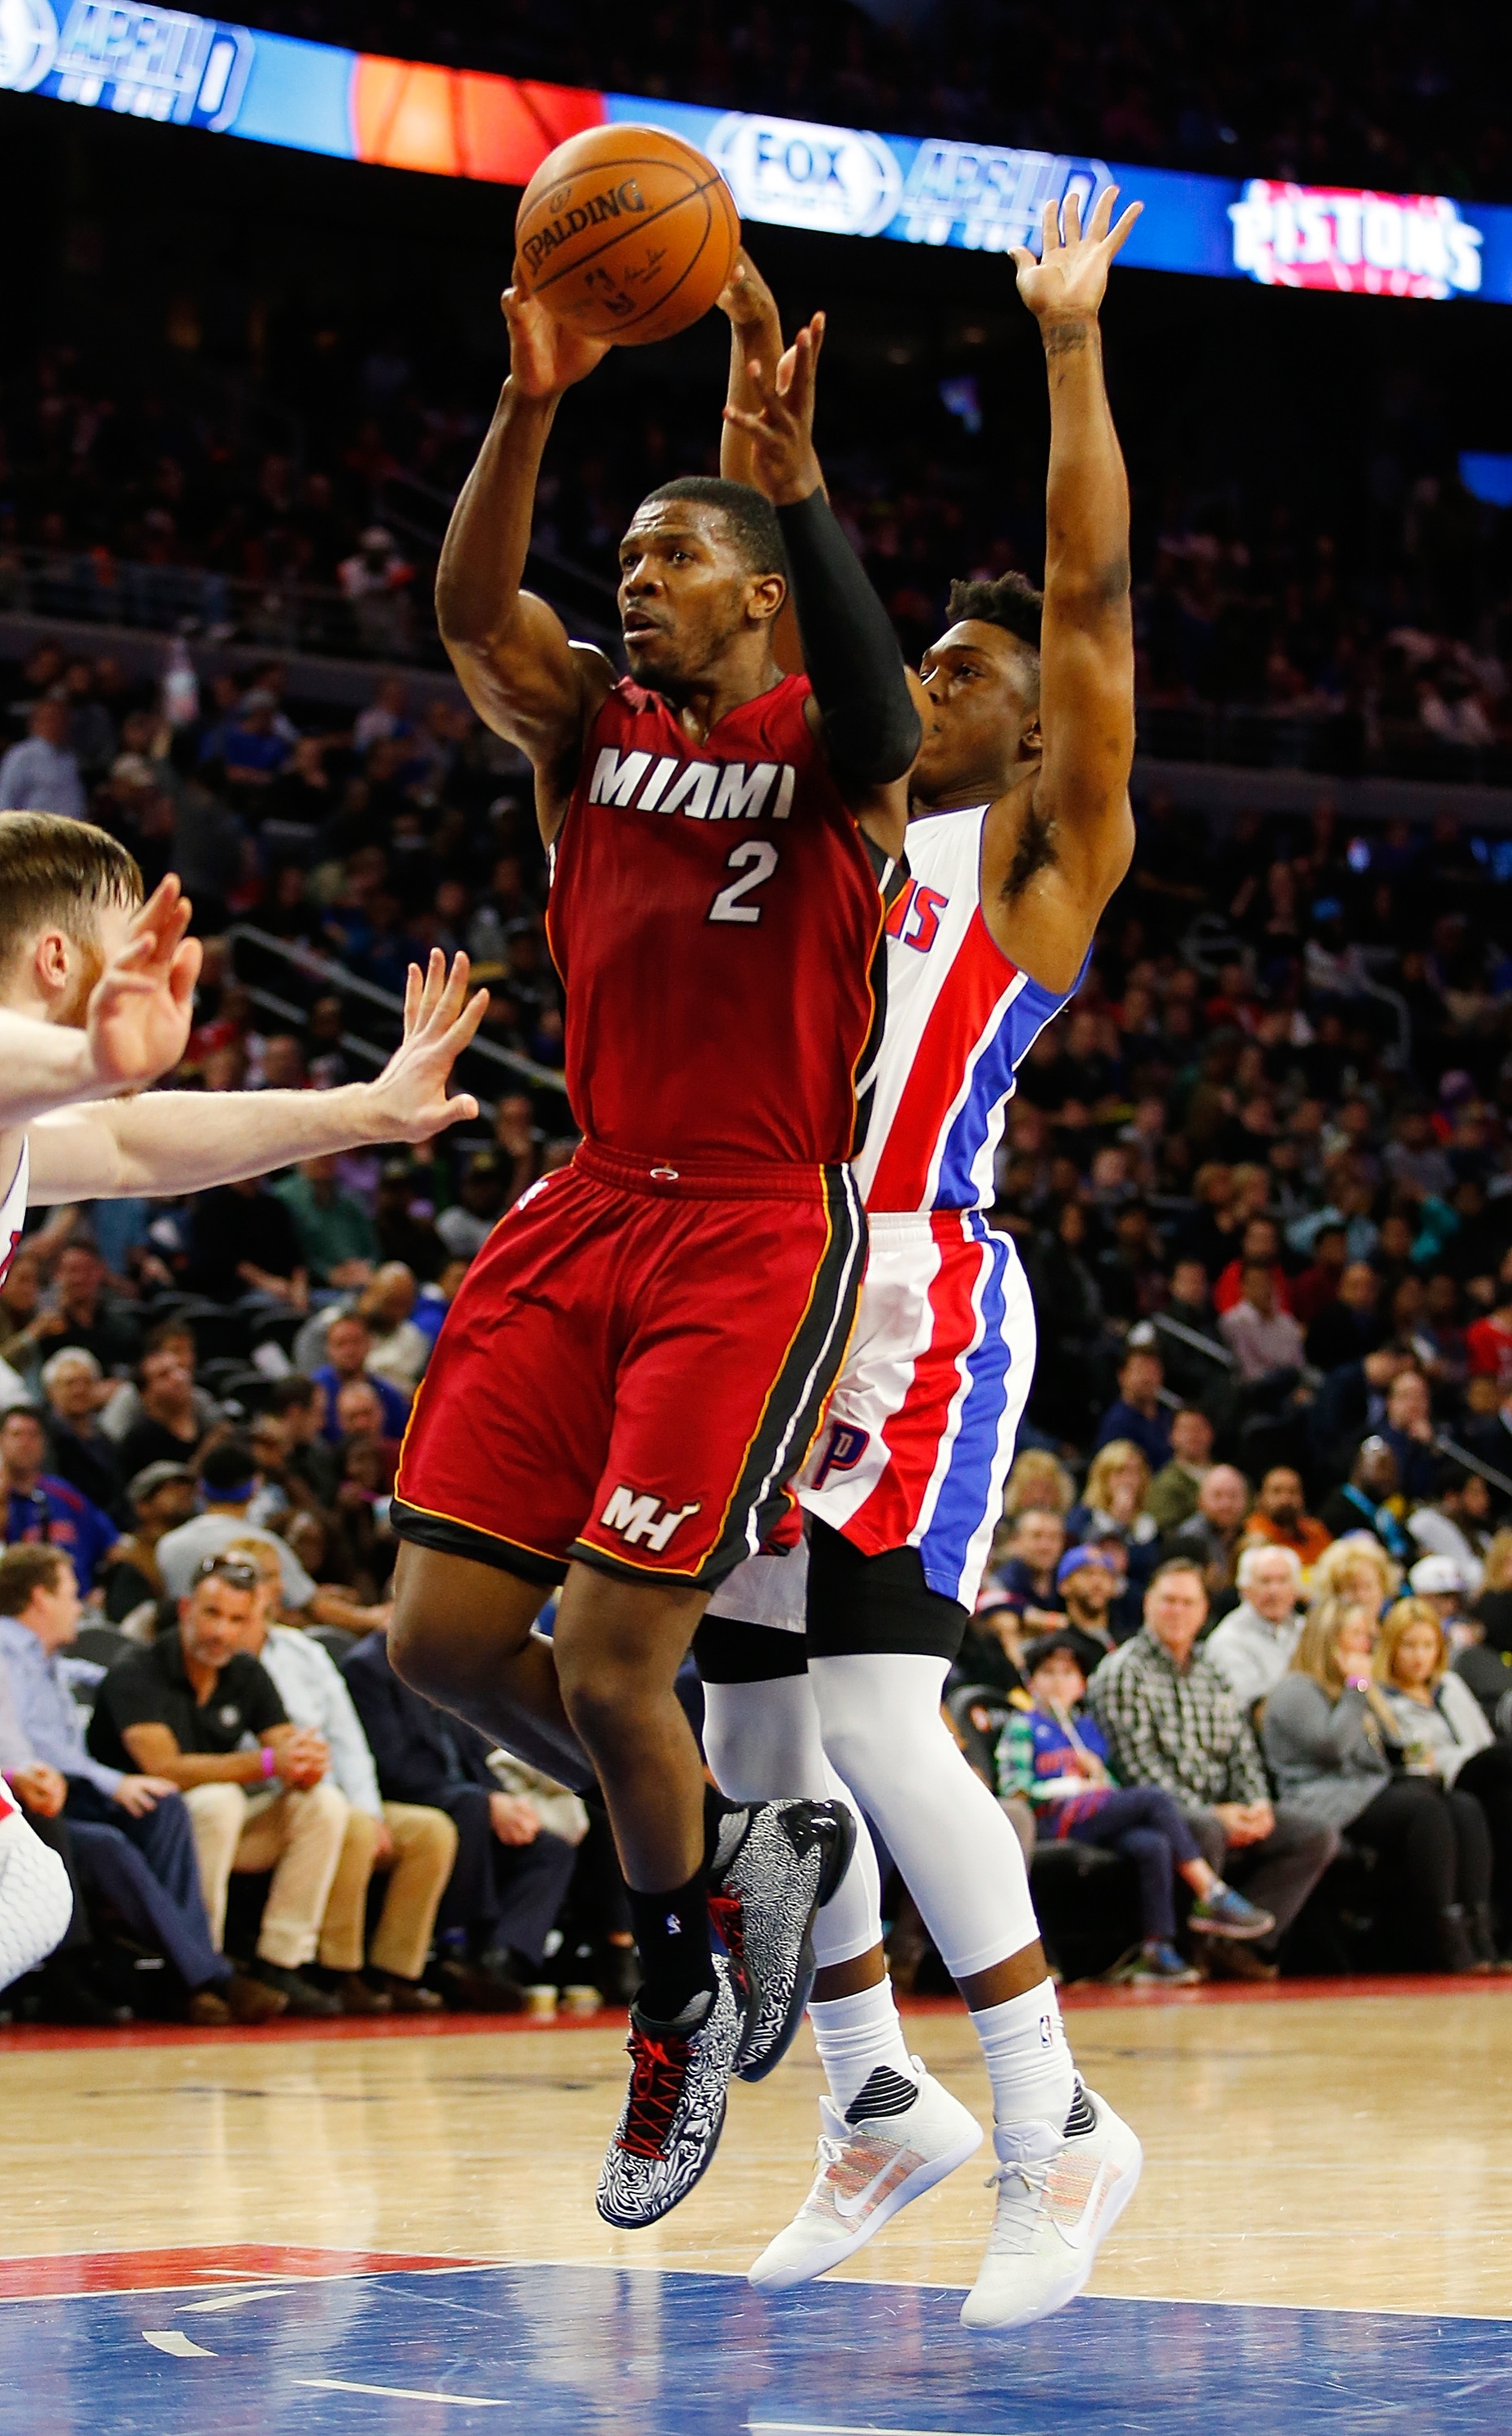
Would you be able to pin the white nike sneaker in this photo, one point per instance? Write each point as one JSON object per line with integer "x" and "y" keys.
{"x": 1058, "y": 2194}
{"x": 868, "y": 2169}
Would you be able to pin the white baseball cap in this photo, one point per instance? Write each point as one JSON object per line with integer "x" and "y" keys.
{"x": 1436, "y": 1578}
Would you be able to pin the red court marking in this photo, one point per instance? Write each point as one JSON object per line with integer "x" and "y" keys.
{"x": 65, "y": 2275}
{"x": 33, "y": 2038}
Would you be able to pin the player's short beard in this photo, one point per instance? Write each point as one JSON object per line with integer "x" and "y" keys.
{"x": 72, "y": 1009}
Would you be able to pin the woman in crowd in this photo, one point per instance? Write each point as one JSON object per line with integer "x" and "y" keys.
{"x": 1051, "y": 1753}
{"x": 1113, "y": 1506}
{"x": 1040, "y": 1479}
{"x": 1443, "y": 1731}
{"x": 1492, "y": 1610}
{"x": 1357, "y": 1570}
{"x": 1331, "y": 1745}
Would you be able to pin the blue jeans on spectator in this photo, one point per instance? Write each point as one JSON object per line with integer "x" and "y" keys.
{"x": 1144, "y": 1823}
{"x": 146, "y": 1868}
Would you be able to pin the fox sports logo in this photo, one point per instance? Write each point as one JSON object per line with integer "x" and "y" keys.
{"x": 800, "y": 175}
{"x": 29, "y": 43}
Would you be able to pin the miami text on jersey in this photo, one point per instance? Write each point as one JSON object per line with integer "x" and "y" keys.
{"x": 701, "y": 790}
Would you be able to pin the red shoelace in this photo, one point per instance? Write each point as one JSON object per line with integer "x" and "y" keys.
{"x": 658, "y": 2070}
{"x": 729, "y": 1921}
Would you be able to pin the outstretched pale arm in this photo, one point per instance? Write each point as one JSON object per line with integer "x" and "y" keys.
{"x": 185, "y": 1141}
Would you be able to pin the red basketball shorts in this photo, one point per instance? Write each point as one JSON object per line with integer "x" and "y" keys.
{"x": 634, "y": 1365}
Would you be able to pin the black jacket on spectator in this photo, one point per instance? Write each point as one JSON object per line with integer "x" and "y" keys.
{"x": 229, "y": 1228}
{"x": 420, "y": 1752}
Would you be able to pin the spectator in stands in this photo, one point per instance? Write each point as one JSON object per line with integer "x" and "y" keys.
{"x": 1316, "y": 1286}
{"x": 1408, "y": 1430}
{"x": 348, "y": 1353}
{"x": 1455, "y": 1524}
{"x": 1280, "y": 1517}
{"x": 83, "y": 1314}
{"x": 415, "y": 1847}
{"x": 20, "y": 1311}
{"x": 1327, "y": 1733}
{"x": 167, "y": 1428}
{"x": 1349, "y": 1327}
{"x": 243, "y": 1240}
{"x": 1027, "y": 1576}
{"x": 311, "y": 1471}
{"x": 1255, "y": 1643}
{"x": 337, "y": 1239}
{"x": 1366, "y": 1501}
{"x": 38, "y": 1506}
{"x": 1261, "y": 1334}
{"x": 507, "y": 1886}
{"x": 1168, "y": 1718}
{"x": 1137, "y": 1416}
{"x": 482, "y": 1198}
{"x": 1212, "y": 1536}
{"x": 1488, "y": 1340}
{"x": 1173, "y": 1493}
{"x": 1355, "y": 1568}
{"x": 160, "y": 1497}
{"x": 402, "y": 1235}
{"x": 126, "y": 1408}
{"x": 1039, "y": 1478}
{"x": 81, "y": 1452}
{"x": 132, "y": 1830}
{"x": 187, "y": 1707}
{"x": 1089, "y": 1582}
{"x": 229, "y": 1485}
{"x": 399, "y": 1350}
{"x": 1442, "y": 1729}
{"x": 1052, "y": 1755}
{"x": 42, "y": 776}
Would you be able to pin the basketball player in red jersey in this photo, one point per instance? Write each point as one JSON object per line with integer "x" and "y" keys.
{"x": 640, "y": 1355}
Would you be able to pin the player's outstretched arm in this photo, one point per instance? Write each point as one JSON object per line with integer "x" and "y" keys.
{"x": 510, "y": 651}
{"x": 185, "y": 1141}
{"x": 862, "y": 700}
{"x": 755, "y": 339}
{"x": 1081, "y": 800}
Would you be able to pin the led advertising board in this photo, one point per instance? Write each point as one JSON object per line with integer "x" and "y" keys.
{"x": 143, "y": 61}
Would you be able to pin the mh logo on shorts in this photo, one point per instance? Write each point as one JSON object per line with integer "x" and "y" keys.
{"x": 843, "y": 1449}
{"x": 644, "y": 1522}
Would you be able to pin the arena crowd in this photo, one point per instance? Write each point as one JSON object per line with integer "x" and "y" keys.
{"x": 1250, "y": 1608}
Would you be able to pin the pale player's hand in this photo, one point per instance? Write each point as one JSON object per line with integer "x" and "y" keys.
{"x": 546, "y": 357}
{"x": 137, "y": 1795}
{"x": 141, "y": 1008}
{"x": 781, "y": 428}
{"x": 1069, "y": 280}
{"x": 410, "y": 1096}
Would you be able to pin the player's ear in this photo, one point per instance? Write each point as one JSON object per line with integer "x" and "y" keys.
{"x": 1031, "y": 742}
{"x": 765, "y": 599}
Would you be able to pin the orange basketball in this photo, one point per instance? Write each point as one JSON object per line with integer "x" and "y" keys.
{"x": 627, "y": 233}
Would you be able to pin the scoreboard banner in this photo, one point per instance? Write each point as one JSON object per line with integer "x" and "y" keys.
{"x": 142, "y": 61}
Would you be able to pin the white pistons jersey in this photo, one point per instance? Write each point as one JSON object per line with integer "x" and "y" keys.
{"x": 961, "y": 1020}
{"x": 14, "y": 1210}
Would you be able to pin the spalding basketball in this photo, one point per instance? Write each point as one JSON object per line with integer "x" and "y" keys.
{"x": 627, "y": 234}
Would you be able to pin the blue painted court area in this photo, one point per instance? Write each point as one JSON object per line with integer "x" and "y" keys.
{"x": 548, "y": 2350}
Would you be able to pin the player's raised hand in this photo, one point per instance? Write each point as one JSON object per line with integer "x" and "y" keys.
{"x": 545, "y": 356}
{"x": 410, "y": 1096}
{"x": 140, "y": 1010}
{"x": 780, "y": 425}
{"x": 748, "y": 301}
{"x": 1070, "y": 279}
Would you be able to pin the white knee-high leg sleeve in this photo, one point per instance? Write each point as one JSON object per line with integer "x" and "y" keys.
{"x": 763, "y": 1742}
{"x": 36, "y": 1899}
{"x": 957, "y": 1849}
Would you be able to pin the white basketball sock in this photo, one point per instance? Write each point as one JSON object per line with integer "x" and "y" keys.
{"x": 857, "y": 2037}
{"x": 1029, "y": 2063}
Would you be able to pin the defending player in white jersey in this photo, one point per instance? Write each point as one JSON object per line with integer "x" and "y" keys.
{"x": 1021, "y": 832}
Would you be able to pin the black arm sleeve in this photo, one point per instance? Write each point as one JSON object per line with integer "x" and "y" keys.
{"x": 871, "y": 728}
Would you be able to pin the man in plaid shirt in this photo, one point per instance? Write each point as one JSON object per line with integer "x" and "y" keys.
{"x": 1168, "y": 1718}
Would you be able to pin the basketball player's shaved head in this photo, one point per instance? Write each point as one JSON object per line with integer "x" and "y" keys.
{"x": 701, "y": 564}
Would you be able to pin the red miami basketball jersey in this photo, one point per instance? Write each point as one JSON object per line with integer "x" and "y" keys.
{"x": 715, "y": 917}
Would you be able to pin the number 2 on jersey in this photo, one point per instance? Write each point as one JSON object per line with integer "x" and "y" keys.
{"x": 758, "y": 858}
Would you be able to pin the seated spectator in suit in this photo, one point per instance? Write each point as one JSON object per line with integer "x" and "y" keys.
{"x": 414, "y": 1846}
{"x": 160, "y": 1497}
{"x": 1253, "y": 1645}
{"x": 132, "y": 1831}
{"x": 1173, "y": 1493}
{"x": 1280, "y": 1516}
{"x": 1330, "y": 1738}
{"x": 1052, "y": 1755}
{"x": 39, "y": 1508}
{"x": 348, "y": 1345}
{"x": 229, "y": 1481}
{"x": 510, "y": 1878}
{"x": 1369, "y": 1502}
{"x": 73, "y": 1385}
{"x": 168, "y": 1427}
{"x": 186, "y": 1708}
{"x": 1138, "y": 1414}
{"x": 1168, "y": 1718}
{"x": 1211, "y": 1535}
{"x": 1455, "y": 1523}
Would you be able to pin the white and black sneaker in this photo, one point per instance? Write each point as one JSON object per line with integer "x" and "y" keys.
{"x": 1059, "y": 2194}
{"x": 774, "y": 1864}
{"x": 675, "y": 2108}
